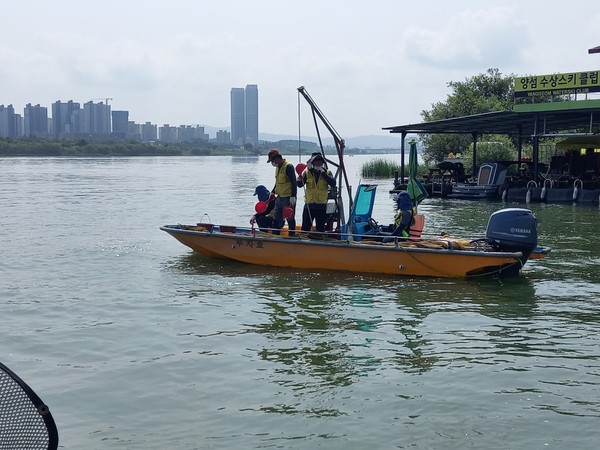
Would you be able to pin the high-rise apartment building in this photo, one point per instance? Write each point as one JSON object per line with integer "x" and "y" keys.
{"x": 149, "y": 132}
{"x": 120, "y": 124}
{"x": 223, "y": 137}
{"x": 244, "y": 114}
{"x": 167, "y": 133}
{"x": 191, "y": 133}
{"x": 95, "y": 119}
{"x": 8, "y": 121}
{"x": 65, "y": 118}
{"x": 19, "y": 125}
{"x": 251, "y": 113}
{"x": 134, "y": 131}
{"x": 36, "y": 120}
{"x": 238, "y": 121}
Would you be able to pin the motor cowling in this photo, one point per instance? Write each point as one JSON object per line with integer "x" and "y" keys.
{"x": 513, "y": 229}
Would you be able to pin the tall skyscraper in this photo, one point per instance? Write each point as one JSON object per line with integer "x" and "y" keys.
{"x": 244, "y": 114}
{"x": 252, "y": 114}
{"x": 238, "y": 113}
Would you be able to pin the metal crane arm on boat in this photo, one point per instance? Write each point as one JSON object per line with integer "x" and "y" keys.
{"x": 340, "y": 146}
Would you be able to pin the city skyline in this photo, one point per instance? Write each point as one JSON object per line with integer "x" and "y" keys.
{"x": 221, "y": 135}
{"x": 96, "y": 120}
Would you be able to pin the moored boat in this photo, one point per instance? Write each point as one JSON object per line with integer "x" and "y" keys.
{"x": 510, "y": 239}
{"x": 490, "y": 179}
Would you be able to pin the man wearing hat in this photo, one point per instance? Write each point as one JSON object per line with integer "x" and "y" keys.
{"x": 264, "y": 217}
{"x": 404, "y": 215}
{"x": 317, "y": 179}
{"x": 285, "y": 189}
{"x": 403, "y": 218}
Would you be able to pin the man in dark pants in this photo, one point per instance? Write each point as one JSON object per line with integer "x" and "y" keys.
{"x": 285, "y": 189}
{"x": 264, "y": 218}
{"x": 317, "y": 179}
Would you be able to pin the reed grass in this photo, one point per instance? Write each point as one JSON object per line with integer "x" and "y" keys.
{"x": 379, "y": 168}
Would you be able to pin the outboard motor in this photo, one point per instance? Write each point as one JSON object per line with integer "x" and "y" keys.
{"x": 513, "y": 230}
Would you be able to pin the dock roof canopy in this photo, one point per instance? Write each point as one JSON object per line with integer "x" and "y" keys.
{"x": 542, "y": 119}
{"x": 579, "y": 142}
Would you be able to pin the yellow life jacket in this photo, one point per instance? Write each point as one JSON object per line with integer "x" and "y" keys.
{"x": 400, "y": 215}
{"x": 316, "y": 191}
{"x": 283, "y": 185}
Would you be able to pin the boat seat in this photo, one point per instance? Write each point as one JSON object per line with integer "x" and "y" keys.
{"x": 361, "y": 227}
{"x": 491, "y": 174}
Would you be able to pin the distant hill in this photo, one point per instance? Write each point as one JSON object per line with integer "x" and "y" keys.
{"x": 365, "y": 142}
{"x": 375, "y": 142}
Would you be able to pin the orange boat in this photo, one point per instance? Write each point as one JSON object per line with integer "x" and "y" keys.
{"x": 407, "y": 257}
{"x": 361, "y": 245}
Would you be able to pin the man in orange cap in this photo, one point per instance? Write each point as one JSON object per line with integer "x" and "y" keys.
{"x": 285, "y": 189}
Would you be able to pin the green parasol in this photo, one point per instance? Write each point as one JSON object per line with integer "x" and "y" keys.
{"x": 414, "y": 187}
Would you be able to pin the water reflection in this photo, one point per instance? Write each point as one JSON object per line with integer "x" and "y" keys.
{"x": 330, "y": 328}
{"x": 323, "y": 331}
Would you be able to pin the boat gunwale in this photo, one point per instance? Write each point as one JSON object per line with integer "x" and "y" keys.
{"x": 174, "y": 229}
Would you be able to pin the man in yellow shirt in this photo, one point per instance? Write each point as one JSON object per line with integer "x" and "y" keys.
{"x": 317, "y": 179}
{"x": 285, "y": 189}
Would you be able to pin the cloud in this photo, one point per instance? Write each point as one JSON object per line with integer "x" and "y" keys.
{"x": 470, "y": 40}
{"x": 367, "y": 64}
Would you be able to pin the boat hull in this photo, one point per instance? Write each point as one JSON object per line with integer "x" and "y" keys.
{"x": 405, "y": 259}
{"x": 473, "y": 192}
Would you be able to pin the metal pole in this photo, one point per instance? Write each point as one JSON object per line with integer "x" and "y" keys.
{"x": 536, "y": 147}
{"x": 474, "y": 154}
{"x": 402, "y": 157}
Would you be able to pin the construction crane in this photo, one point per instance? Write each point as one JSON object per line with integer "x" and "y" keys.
{"x": 106, "y": 99}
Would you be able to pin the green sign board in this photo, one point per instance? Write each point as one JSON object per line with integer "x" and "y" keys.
{"x": 557, "y": 84}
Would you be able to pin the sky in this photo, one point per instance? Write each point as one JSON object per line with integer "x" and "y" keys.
{"x": 367, "y": 64}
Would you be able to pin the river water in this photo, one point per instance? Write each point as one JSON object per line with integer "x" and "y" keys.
{"x": 134, "y": 342}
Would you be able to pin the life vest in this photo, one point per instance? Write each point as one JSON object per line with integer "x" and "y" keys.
{"x": 417, "y": 225}
{"x": 316, "y": 191}
{"x": 283, "y": 185}
{"x": 404, "y": 218}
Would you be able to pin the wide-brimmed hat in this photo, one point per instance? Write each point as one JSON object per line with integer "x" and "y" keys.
{"x": 273, "y": 153}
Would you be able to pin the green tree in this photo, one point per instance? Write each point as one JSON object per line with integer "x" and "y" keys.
{"x": 496, "y": 147}
{"x": 486, "y": 92}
